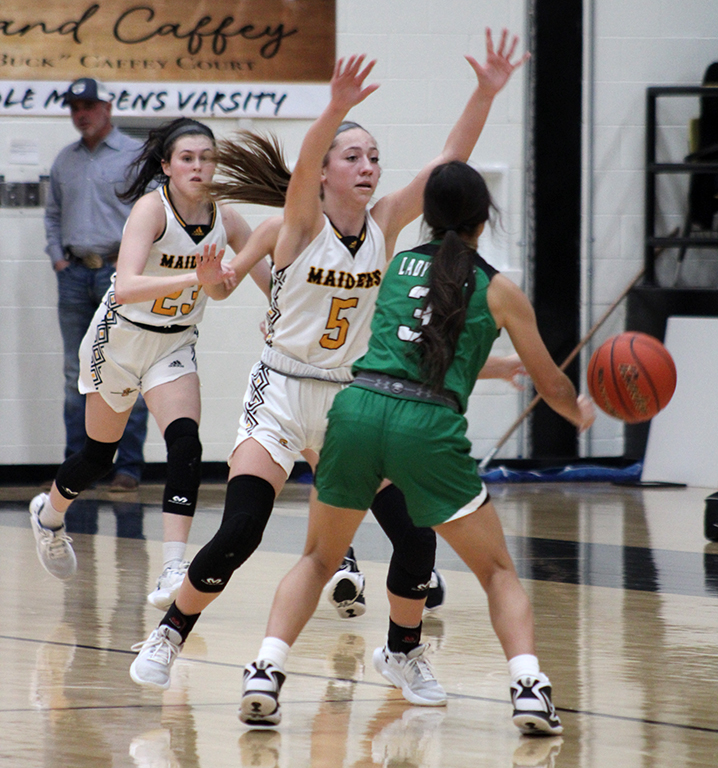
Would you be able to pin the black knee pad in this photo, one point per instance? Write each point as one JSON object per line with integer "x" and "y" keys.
{"x": 248, "y": 505}
{"x": 85, "y": 467}
{"x": 184, "y": 467}
{"x": 414, "y": 548}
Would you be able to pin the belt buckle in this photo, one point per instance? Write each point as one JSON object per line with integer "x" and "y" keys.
{"x": 92, "y": 260}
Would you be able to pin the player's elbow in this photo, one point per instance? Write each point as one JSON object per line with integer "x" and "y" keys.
{"x": 558, "y": 390}
{"x": 122, "y": 295}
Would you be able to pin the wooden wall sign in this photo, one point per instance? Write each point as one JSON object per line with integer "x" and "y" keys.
{"x": 166, "y": 40}
{"x": 169, "y": 57}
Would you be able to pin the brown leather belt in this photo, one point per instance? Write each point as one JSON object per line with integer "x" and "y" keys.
{"x": 91, "y": 260}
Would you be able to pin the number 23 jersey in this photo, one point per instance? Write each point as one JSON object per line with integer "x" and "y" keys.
{"x": 322, "y": 305}
{"x": 175, "y": 251}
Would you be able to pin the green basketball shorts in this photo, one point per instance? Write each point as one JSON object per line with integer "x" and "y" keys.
{"x": 421, "y": 447}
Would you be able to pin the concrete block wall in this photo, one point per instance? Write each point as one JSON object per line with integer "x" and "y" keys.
{"x": 425, "y": 82}
{"x": 419, "y": 45}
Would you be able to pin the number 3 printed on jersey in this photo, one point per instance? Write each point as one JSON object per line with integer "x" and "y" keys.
{"x": 404, "y": 332}
{"x": 337, "y": 327}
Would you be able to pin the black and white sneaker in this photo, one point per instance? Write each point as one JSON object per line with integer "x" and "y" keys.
{"x": 437, "y": 592}
{"x": 534, "y": 712}
{"x": 345, "y": 590}
{"x": 261, "y": 684}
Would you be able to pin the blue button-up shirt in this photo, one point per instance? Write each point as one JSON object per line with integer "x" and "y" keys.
{"x": 83, "y": 211}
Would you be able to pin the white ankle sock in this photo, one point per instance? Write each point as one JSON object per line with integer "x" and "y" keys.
{"x": 275, "y": 650}
{"x": 173, "y": 553}
{"x": 49, "y": 517}
{"x": 524, "y": 665}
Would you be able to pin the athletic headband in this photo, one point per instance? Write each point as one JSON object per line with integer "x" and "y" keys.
{"x": 181, "y": 130}
{"x": 347, "y": 125}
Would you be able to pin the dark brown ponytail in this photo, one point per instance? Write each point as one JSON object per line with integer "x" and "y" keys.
{"x": 456, "y": 203}
{"x": 253, "y": 170}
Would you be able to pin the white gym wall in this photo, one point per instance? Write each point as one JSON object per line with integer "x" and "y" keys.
{"x": 424, "y": 80}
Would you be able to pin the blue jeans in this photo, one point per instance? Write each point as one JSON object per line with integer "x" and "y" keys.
{"x": 80, "y": 292}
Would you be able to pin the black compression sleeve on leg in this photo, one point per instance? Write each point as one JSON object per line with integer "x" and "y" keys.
{"x": 414, "y": 548}
{"x": 247, "y": 507}
{"x": 184, "y": 466}
{"x": 85, "y": 467}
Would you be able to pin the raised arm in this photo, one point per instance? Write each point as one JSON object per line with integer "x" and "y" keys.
{"x": 303, "y": 210}
{"x": 394, "y": 211}
{"x": 513, "y": 311}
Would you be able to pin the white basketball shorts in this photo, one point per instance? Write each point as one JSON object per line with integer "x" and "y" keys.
{"x": 285, "y": 415}
{"x": 120, "y": 360}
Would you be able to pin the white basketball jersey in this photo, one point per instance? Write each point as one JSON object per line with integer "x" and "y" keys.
{"x": 175, "y": 251}
{"x": 322, "y": 305}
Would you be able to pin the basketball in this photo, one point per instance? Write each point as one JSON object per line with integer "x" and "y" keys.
{"x": 631, "y": 377}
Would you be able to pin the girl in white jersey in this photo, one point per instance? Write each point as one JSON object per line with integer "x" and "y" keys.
{"x": 328, "y": 252}
{"x": 142, "y": 339}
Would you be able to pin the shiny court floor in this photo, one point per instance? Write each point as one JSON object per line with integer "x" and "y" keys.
{"x": 624, "y": 586}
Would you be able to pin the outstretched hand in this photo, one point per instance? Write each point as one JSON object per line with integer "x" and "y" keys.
{"x": 210, "y": 268}
{"x": 511, "y": 369}
{"x": 587, "y": 413}
{"x": 347, "y": 84}
{"x": 497, "y": 70}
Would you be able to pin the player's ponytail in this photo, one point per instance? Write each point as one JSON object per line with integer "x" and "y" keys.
{"x": 252, "y": 170}
{"x": 456, "y": 203}
{"x": 147, "y": 167}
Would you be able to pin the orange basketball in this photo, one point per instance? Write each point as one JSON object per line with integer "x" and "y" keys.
{"x": 631, "y": 377}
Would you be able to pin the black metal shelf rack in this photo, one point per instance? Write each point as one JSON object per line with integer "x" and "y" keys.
{"x": 652, "y": 241}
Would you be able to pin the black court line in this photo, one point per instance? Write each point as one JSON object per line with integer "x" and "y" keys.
{"x": 369, "y": 683}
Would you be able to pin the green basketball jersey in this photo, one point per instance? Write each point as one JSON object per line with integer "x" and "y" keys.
{"x": 393, "y": 349}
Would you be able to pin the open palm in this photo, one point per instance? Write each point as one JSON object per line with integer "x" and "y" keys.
{"x": 347, "y": 84}
{"x": 210, "y": 269}
{"x": 494, "y": 74}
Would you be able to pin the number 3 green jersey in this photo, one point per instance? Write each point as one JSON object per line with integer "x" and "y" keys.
{"x": 396, "y": 325}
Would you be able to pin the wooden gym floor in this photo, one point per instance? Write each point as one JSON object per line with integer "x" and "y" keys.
{"x": 624, "y": 586}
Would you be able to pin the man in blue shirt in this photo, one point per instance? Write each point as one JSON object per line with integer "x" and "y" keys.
{"x": 83, "y": 224}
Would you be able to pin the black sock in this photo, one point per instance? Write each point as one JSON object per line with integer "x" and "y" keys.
{"x": 403, "y": 639}
{"x": 179, "y": 621}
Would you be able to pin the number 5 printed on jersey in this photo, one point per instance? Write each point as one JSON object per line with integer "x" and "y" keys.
{"x": 340, "y": 325}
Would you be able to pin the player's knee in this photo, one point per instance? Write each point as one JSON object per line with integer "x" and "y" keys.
{"x": 410, "y": 583}
{"x": 248, "y": 505}
{"x": 184, "y": 465}
{"x": 415, "y": 551}
{"x": 412, "y": 563}
{"x": 85, "y": 467}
